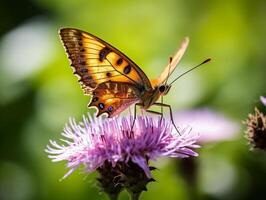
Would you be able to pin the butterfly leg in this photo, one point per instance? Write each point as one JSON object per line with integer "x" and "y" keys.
{"x": 171, "y": 114}
{"x": 161, "y": 109}
{"x": 156, "y": 113}
{"x": 135, "y": 115}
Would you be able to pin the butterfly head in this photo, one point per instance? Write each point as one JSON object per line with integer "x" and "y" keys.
{"x": 164, "y": 89}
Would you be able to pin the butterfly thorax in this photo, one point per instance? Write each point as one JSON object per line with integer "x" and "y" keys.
{"x": 149, "y": 97}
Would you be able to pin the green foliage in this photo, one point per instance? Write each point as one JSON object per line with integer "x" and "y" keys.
{"x": 38, "y": 92}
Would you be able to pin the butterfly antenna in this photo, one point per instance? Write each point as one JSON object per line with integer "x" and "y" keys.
{"x": 205, "y": 61}
{"x": 170, "y": 62}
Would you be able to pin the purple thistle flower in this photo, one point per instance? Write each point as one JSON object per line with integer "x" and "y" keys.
{"x": 95, "y": 141}
{"x": 120, "y": 155}
{"x": 263, "y": 100}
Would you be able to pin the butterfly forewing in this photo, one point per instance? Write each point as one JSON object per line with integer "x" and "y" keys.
{"x": 96, "y": 61}
{"x": 112, "y": 78}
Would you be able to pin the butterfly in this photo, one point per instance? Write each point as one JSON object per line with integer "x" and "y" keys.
{"x": 112, "y": 79}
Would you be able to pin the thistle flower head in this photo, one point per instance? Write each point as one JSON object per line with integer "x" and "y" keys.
{"x": 95, "y": 141}
{"x": 256, "y": 130}
{"x": 109, "y": 145}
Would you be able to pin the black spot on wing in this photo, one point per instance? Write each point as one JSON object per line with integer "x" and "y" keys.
{"x": 101, "y": 106}
{"x": 127, "y": 69}
{"x": 119, "y": 61}
{"x": 83, "y": 70}
{"x": 110, "y": 109}
{"x": 103, "y": 53}
{"x": 95, "y": 99}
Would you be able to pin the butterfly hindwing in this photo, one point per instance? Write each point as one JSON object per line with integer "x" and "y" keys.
{"x": 96, "y": 61}
{"x": 113, "y": 97}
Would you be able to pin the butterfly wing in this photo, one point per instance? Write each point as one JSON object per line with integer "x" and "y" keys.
{"x": 113, "y": 97}
{"x": 168, "y": 70}
{"x": 96, "y": 61}
{"x": 111, "y": 77}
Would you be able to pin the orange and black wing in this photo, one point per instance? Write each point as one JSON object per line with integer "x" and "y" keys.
{"x": 113, "y": 80}
{"x": 113, "y": 97}
{"x": 96, "y": 61}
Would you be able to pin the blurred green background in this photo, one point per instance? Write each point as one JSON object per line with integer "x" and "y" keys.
{"x": 38, "y": 92}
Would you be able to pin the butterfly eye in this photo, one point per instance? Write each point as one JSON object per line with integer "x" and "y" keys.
{"x": 162, "y": 88}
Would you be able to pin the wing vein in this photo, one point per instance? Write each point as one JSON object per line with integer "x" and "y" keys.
{"x": 122, "y": 73}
